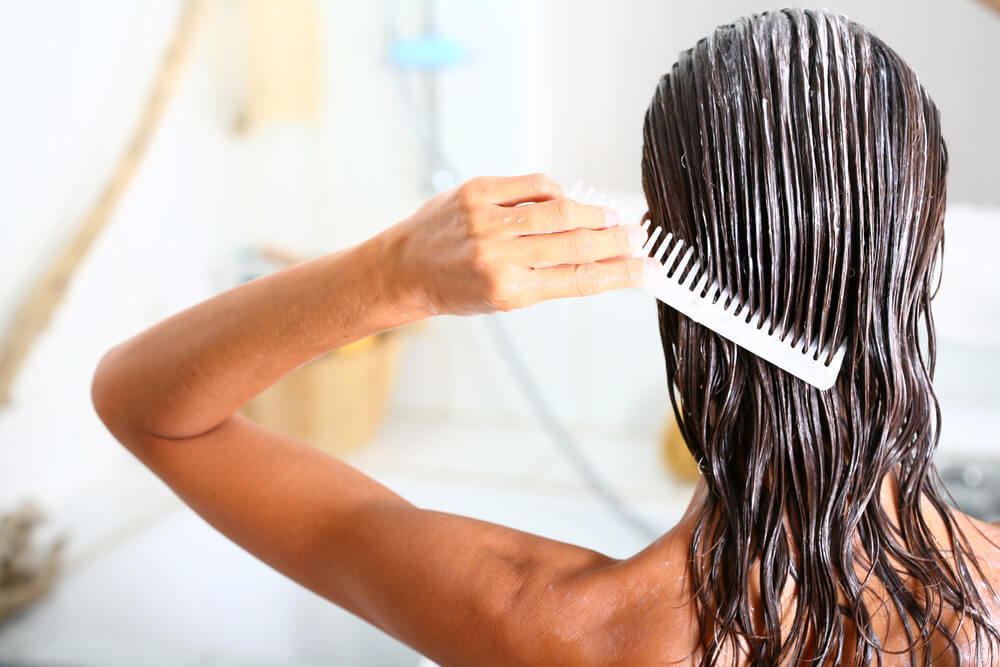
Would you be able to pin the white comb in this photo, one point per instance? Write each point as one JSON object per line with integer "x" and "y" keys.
{"x": 683, "y": 286}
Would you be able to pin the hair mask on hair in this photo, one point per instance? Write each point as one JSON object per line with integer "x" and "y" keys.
{"x": 804, "y": 161}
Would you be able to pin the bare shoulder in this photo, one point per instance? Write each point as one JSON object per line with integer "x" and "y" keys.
{"x": 638, "y": 610}
{"x": 985, "y": 540}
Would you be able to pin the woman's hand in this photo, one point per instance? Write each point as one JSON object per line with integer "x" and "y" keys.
{"x": 505, "y": 243}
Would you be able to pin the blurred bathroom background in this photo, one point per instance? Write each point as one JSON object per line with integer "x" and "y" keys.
{"x": 297, "y": 128}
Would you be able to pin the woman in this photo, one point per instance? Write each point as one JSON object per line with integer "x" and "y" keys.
{"x": 803, "y": 160}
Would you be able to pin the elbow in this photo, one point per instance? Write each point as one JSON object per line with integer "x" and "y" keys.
{"x": 119, "y": 392}
{"x": 100, "y": 391}
{"x": 108, "y": 399}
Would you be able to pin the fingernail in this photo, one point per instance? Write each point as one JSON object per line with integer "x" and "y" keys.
{"x": 636, "y": 236}
{"x": 611, "y": 218}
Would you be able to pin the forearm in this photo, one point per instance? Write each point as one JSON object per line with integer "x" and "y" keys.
{"x": 187, "y": 374}
{"x": 472, "y": 249}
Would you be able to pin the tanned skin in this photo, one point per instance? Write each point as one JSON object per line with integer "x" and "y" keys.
{"x": 458, "y": 590}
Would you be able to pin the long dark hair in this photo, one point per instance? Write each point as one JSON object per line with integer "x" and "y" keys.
{"x": 804, "y": 161}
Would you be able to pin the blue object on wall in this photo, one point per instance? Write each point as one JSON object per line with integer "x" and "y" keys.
{"x": 427, "y": 51}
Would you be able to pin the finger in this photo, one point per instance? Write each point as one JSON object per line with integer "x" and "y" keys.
{"x": 593, "y": 278}
{"x": 579, "y": 246}
{"x": 560, "y": 215}
{"x": 513, "y": 190}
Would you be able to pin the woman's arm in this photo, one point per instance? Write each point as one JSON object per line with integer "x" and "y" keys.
{"x": 455, "y": 589}
{"x": 466, "y": 251}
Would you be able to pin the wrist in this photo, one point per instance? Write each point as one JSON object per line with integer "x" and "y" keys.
{"x": 395, "y": 287}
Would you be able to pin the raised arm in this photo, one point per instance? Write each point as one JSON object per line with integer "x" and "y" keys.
{"x": 458, "y": 590}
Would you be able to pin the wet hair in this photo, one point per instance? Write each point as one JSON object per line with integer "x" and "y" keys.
{"x": 804, "y": 161}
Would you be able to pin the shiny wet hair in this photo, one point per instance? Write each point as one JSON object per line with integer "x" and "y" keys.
{"x": 804, "y": 161}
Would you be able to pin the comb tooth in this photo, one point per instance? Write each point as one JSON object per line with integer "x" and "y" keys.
{"x": 831, "y": 354}
{"x": 646, "y": 226}
{"x": 589, "y": 195}
{"x": 764, "y": 326}
{"x": 685, "y": 260}
{"x": 742, "y": 309}
{"x": 794, "y": 341}
{"x": 686, "y": 270}
{"x": 732, "y": 305}
{"x": 737, "y": 306}
{"x": 711, "y": 290}
{"x": 700, "y": 285}
{"x": 574, "y": 192}
{"x": 668, "y": 262}
{"x": 651, "y": 241}
{"x": 667, "y": 240}
{"x": 692, "y": 274}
